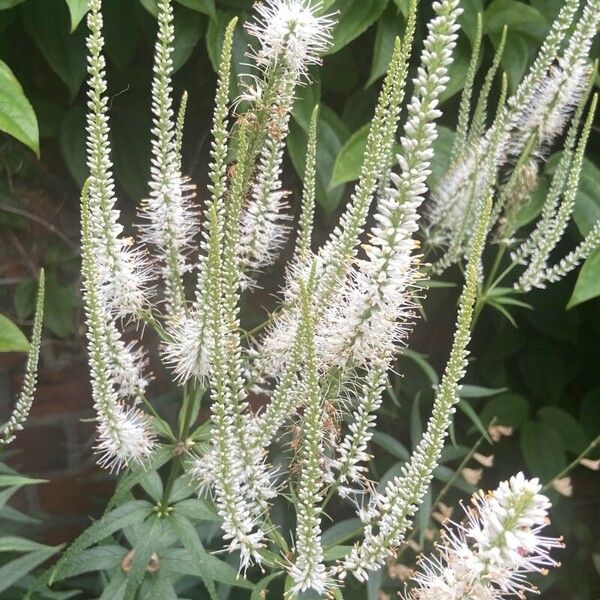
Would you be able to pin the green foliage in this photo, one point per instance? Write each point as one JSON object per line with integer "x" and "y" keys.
{"x": 16, "y": 115}
{"x": 548, "y": 362}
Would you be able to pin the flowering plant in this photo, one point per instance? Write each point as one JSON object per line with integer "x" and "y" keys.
{"x": 319, "y": 364}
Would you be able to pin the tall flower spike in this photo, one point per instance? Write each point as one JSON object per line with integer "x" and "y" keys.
{"x": 308, "y": 571}
{"x": 169, "y": 218}
{"x": 491, "y": 555}
{"x": 375, "y": 308}
{"x": 124, "y": 433}
{"x": 403, "y": 494}
{"x": 336, "y": 257}
{"x": 189, "y": 348}
{"x": 239, "y": 524}
{"x": 23, "y": 406}
{"x": 122, "y": 271}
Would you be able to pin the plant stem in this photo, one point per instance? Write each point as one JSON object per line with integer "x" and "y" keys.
{"x": 573, "y": 464}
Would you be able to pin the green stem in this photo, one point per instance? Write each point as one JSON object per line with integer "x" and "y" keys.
{"x": 573, "y": 464}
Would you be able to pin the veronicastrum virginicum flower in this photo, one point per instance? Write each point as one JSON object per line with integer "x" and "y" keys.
{"x": 347, "y": 307}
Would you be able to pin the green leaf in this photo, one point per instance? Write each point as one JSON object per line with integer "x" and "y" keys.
{"x": 179, "y": 560}
{"x": 99, "y": 558}
{"x": 587, "y": 203}
{"x": 349, "y": 161}
{"x": 123, "y": 516}
{"x": 189, "y": 27}
{"x": 204, "y": 6}
{"x": 137, "y": 473}
{"x": 5, "y": 4}
{"x": 48, "y": 23}
{"x": 508, "y": 409}
{"x": 446, "y": 474}
{"x": 543, "y": 450}
{"x": 188, "y": 536}
{"x": 241, "y": 39}
{"x": 153, "y": 486}
{"x": 18, "y": 480}
{"x": 71, "y": 137}
{"x": 468, "y": 18}
{"x": 198, "y": 509}
{"x": 391, "y": 444}
{"x": 331, "y": 135}
{"x": 158, "y": 588}
{"x": 24, "y": 300}
{"x": 588, "y": 281}
{"x": 474, "y": 418}
{"x": 11, "y": 337}
{"x": 14, "y": 570}
{"x": 517, "y": 15}
{"x": 17, "y": 117}
{"x": 11, "y": 543}
{"x": 77, "y": 10}
{"x": 146, "y": 546}
{"x": 574, "y": 437}
{"x": 389, "y": 26}
{"x": 477, "y": 391}
{"x": 355, "y": 17}
{"x": 59, "y": 308}
{"x": 341, "y": 532}
{"x": 260, "y": 591}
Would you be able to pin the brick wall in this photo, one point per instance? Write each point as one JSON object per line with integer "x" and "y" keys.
{"x": 56, "y": 444}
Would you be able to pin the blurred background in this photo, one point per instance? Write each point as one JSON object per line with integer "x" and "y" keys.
{"x": 549, "y": 358}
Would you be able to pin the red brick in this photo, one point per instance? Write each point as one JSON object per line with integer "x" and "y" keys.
{"x": 84, "y": 493}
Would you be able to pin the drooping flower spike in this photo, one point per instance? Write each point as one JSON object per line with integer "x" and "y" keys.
{"x": 24, "y": 402}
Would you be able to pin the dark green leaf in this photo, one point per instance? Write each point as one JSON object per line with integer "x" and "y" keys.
{"x": 48, "y": 23}
{"x": 543, "y": 450}
{"x": 574, "y": 437}
{"x": 17, "y": 117}
{"x": 99, "y": 558}
{"x": 60, "y": 304}
{"x": 71, "y": 137}
{"x": 146, "y": 546}
{"x": 123, "y": 516}
{"x": 14, "y": 570}
{"x": 355, "y": 16}
{"x": 5, "y": 4}
{"x": 517, "y": 15}
{"x": 587, "y": 204}
{"x": 331, "y": 135}
{"x": 349, "y": 161}
{"x": 446, "y": 475}
{"x": 392, "y": 445}
{"x": 508, "y": 409}
{"x": 189, "y": 538}
{"x": 260, "y": 591}
{"x": 204, "y": 6}
{"x": 341, "y": 532}
{"x": 389, "y": 26}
